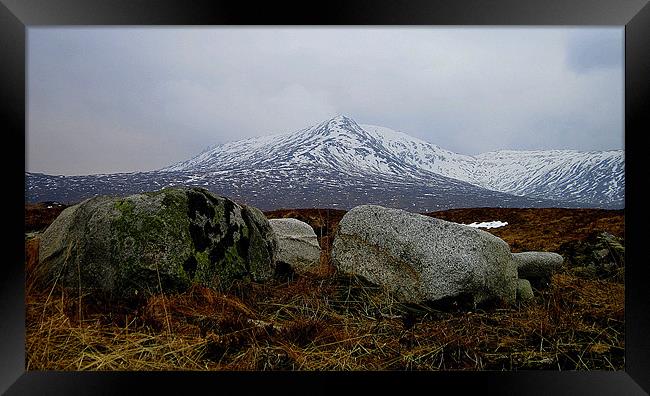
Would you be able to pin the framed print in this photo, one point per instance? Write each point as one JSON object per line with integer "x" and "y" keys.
{"x": 343, "y": 194}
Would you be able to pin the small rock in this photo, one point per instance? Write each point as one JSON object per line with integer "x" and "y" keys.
{"x": 537, "y": 267}
{"x": 297, "y": 244}
{"x": 524, "y": 290}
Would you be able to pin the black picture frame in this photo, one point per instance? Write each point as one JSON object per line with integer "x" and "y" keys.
{"x": 16, "y": 16}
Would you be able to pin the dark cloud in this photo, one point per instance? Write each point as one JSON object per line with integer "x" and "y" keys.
{"x": 124, "y": 99}
{"x": 594, "y": 48}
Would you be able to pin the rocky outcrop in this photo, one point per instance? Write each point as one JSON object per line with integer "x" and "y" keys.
{"x": 165, "y": 240}
{"x": 297, "y": 244}
{"x": 420, "y": 258}
{"x": 600, "y": 255}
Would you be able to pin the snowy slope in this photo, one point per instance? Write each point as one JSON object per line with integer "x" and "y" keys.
{"x": 595, "y": 178}
{"x": 338, "y": 144}
{"x": 426, "y": 155}
{"x": 339, "y": 163}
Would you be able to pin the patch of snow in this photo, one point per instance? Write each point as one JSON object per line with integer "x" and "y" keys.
{"x": 488, "y": 224}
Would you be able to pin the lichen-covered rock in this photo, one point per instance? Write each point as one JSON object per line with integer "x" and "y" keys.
{"x": 537, "y": 267}
{"x": 524, "y": 290}
{"x": 165, "y": 240}
{"x": 420, "y": 258}
{"x": 297, "y": 244}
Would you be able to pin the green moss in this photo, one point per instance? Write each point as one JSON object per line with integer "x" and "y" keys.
{"x": 203, "y": 273}
{"x": 125, "y": 206}
{"x": 226, "y": 270}
{"x": 234, "y": 260}
{"x": 203, "y": 260}
{"x": 173, "y": 198}
{"x": 149, "y": 243}
{"x": 233, "y": 266}
{"x": 258, "y": 253}
{"x": 219, "y": 212}
{"x": 154, "y": 243}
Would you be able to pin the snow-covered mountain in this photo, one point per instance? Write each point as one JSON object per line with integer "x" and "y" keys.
{"x": 339, "y": 163}
{"x": 595, "y": 178}
{"x": 339, "y": 144}
{"x": 425, "y": 155}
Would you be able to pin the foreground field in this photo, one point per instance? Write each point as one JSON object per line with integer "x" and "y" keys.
{"x": 329, "y": 321}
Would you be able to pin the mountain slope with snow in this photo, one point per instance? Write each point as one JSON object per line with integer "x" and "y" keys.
{"x": 425, "y": 155}
{"x": 339, "y": 163}
{"x": 593, "y": 178}
{"x": 338, "y": 144}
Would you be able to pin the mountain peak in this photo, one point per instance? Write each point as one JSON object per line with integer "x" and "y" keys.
{"x": 339, "y": 125}
{"x": 341, "y": 121}
{"x": 341, "y": 118}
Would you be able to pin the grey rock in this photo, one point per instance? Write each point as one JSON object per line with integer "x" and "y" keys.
{"x": 297, "y": 244}
{"x": 524, "y": 290}
{"x": 537, "y": 266}
{"x": 599, "y": 255}
{"x": 420, "y": 258}
{"x": 164, "y": 240}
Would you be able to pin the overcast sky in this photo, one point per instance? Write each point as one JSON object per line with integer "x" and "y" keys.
{"x": 104, "y": 100}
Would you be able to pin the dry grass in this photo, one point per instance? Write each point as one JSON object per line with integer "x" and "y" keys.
{"x": 324, "y": 321}
{"x": 40, "y": 215}
{"x": 543, "y": 229}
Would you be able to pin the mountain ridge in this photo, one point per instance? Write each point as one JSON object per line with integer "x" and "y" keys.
{"x": 508, "y": 171}
{"x": 339, "y": 162}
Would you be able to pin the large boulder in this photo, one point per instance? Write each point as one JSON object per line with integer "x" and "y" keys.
{"x": 297, "y": 244}
{"x": 165, "y": 240}
{"x": 420, "y": 258}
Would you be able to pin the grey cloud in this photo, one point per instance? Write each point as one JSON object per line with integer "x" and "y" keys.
{"x": 593, "y": 48}
{"x": 125, "y": 99}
